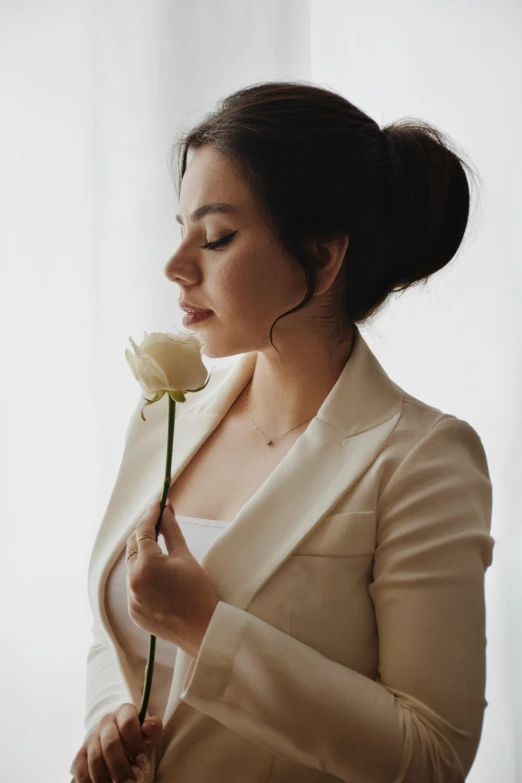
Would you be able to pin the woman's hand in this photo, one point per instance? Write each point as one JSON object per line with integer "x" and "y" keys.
{"x": 169, "y": 595}
{"x": 110, "y": 751}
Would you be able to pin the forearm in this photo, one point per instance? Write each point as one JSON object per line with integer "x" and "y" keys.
{"x": 278, "y": 692}
{"x": 103, "y": 687}
{"x": 104, "y": 693}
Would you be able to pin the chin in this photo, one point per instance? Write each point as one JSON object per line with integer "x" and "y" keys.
{"x": 212, "y": 353}
{"x": 216, "y": 349}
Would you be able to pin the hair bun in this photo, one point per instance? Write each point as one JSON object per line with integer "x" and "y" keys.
{"x": 320, "y": 167}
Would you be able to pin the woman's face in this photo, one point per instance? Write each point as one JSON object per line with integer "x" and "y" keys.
{"x": 249, "y": 280}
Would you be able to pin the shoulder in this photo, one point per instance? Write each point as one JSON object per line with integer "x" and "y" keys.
{"x": 435, "y": 486}
{"x": 427, "y": 439}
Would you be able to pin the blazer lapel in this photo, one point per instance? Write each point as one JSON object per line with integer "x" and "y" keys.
{"x": 350, "y": 429}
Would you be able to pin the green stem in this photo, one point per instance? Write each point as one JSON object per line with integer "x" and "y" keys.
{"x": 149, "y": 668}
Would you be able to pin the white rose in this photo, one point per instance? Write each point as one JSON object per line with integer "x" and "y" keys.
{"x": 168, "y": 363}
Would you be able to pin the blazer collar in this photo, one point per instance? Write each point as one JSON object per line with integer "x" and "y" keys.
{"x": 350, "y": 428}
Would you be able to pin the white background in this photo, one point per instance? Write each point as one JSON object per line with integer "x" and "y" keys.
{"x": 92, "y": 94}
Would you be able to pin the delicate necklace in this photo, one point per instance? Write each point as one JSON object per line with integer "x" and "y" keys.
{"x": 268, "y": 441}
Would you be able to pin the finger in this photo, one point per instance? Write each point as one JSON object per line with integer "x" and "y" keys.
{"x": 131, "y": 545}
{"x": 96, "y": 766}
{"x": 131, "y": 734}
{"x": 114, "y": 754}
{"x": 174, "y": 539}
{"x": 80, "y": 767}
{"x": 152, "y": 731}
{"x": 147, "y": 524}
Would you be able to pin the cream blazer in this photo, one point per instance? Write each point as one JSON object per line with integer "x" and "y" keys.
{"x": 349, "y": 641}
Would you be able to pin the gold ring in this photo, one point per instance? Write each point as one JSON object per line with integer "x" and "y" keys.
{"x": 132, "y": 552}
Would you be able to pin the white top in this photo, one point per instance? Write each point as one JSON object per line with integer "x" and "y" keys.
{"x": 199, "y": 535}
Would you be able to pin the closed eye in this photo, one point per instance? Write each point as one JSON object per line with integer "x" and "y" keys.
{"x": 219, "y": 242}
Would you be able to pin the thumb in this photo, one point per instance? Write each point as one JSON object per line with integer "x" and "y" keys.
{"x": 151, "y": 729}
{"x": 171, "y": 531}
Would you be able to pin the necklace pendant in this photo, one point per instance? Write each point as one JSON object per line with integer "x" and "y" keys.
{"x": 268, "y": 441}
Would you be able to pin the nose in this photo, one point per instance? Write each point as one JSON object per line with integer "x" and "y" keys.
{"x": 169, "y": 265}
{"x": 171, "y": 270}
{"x": 181, "y": 273}
{"x": 167, "y": 269}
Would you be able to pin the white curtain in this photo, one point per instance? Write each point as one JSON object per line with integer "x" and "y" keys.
{"x": 92, "y": 95}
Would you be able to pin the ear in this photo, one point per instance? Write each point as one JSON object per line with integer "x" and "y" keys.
{"x": 330, "y": 252}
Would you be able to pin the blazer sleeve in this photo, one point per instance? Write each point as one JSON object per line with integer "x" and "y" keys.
{"x": 104, "y": 690}
{"x": 422, "y": 719}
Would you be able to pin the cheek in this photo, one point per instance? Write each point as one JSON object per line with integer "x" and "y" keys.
{"x": 258, "y": 285}
{"x": 246, "y": 281}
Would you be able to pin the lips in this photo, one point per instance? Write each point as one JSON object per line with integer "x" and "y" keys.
{"x": 191, "y": 309}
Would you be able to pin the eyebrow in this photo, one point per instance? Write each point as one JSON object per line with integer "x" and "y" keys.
{"x": 207, "y": 209}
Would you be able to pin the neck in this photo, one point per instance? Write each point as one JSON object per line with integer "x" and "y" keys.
{"x": 284, "y": 395}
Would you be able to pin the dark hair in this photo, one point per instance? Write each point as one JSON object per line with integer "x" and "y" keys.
{"x": 320, "y": 167}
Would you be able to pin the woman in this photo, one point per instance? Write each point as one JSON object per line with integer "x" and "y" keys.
{"x": 343, "y": 523}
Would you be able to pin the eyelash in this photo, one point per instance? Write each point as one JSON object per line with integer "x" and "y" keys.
{"x": 219, "y": 242}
